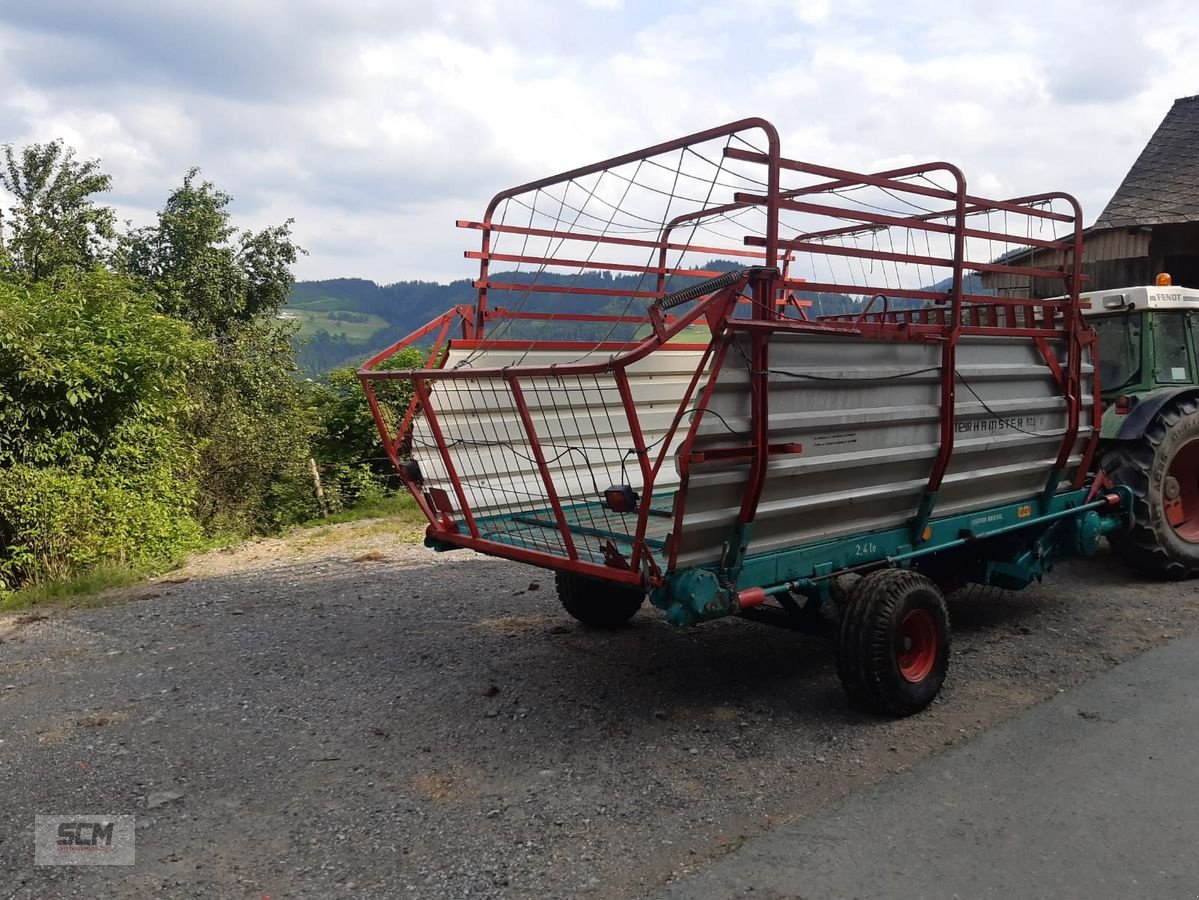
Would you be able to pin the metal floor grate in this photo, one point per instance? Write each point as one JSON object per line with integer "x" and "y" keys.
{"x": 591, "y": 523}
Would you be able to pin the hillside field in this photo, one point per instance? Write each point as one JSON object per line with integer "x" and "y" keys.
{"x": 354, "y": 325}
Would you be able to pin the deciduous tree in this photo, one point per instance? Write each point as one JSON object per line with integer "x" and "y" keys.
{"x": 54, "y": 223}
{"x": 204, "y": 269}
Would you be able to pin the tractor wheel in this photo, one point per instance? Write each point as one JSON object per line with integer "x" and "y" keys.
{"x": 1162, "y": 468}
{"x": 979, "y": 593}
{"x": 598, "y": 603}
{"x": 894, "y": 644}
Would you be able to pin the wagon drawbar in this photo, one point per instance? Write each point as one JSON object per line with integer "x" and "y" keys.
{"x": 720, "y": 377}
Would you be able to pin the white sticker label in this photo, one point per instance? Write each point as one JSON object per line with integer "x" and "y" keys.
{"x": 1177, "y": 374}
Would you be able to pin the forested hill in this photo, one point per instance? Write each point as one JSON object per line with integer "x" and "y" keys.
{"x": 345, "y": 320}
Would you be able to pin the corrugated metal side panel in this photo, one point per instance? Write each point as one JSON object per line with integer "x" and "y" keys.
{"x": 579, "y": 421}
{"x": 1119, "y": 243}
{"x": 1101, "y": 250}
{"x": 867, "y": 415}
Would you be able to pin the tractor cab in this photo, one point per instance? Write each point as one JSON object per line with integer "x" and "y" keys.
{"x": 1148, "y": 337}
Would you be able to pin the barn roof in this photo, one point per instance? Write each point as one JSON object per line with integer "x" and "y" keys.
{"x": 1162, "y": 187}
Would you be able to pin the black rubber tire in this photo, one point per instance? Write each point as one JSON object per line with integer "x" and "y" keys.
{"x": 979, "y": 593}
{"x": 1151, "y": 545}
{"x": 869, "y": 644}
{"x": 600, "y": 604}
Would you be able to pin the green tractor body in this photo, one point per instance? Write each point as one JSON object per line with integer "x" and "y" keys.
{"x": 1148, "y": 350}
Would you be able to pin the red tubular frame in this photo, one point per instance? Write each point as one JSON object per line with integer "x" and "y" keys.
{"x": 551, "y": 493}
{"x": 422, "y": 397}
{"x": 943, "y": 320}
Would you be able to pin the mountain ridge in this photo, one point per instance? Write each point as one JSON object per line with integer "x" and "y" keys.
{"x": 343, "y": 321}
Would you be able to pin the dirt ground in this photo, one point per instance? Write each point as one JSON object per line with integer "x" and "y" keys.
{"x": 340, "y": 715}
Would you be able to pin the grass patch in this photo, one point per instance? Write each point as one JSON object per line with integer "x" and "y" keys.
{"x": 313, "y": 320}
{"x": 401, "y": 517}
{"x": 73, "y": 591}
{"x": 82, "y": 589}
{"x": 692, "y": 334}
{"x": 398, "y": 505}
{"x": 397, "y": 516}
{"x": 319, "y": 304}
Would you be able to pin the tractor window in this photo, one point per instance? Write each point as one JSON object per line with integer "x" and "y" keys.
{"x": 1119, "y": 350}
{"x": 1170, "y": 346}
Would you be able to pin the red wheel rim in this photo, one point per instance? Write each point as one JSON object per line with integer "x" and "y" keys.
{"x": 917, "y": 650}
{"x": 1181, "y": 492}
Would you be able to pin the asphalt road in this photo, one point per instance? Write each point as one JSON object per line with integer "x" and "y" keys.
{"x": 340, "y": 716}
{"x": 1093, "y": 795}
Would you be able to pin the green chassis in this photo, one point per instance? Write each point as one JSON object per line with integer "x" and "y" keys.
{"x": 1008, "y": 546}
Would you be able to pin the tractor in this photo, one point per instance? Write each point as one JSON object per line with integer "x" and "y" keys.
{"x": 1148, "y": 353}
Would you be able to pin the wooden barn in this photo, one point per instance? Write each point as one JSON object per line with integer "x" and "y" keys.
{"x": 1150, "y": 225}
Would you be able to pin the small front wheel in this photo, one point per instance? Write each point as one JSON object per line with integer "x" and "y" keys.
{"x": 893, "y": 652}
{"x": 601, "y": 604}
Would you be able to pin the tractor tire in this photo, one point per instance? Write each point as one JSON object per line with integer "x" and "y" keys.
{"x": 1162, "y": 468}
{"x": 979, "y": 593}
{"x": 600, "y": 604}
{"x": 893, "y": 651}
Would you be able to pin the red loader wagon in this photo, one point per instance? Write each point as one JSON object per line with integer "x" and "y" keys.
{"x": 722, "y": 378}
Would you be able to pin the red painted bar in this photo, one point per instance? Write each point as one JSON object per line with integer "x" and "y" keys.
{"x": 608, "y": 239}
{"x": 545, "y": 560}
{"x": 862, "y": 253}
{"x": 588, "y": 264}
{"x": 610, "y": 346}
{"x": 1017, "y": 270}
{"x": 418, "y": 385}
{"x": 448, "y": 315}
{"x": 526, "y": 419}
{"x": 684, "y": 452}
{"x": 851, "y": 178}
{"x": 841, "y": 212}
{"x": 516, "y": 287}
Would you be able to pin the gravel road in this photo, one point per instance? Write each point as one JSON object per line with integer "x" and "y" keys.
{"x": 352, "y": 717}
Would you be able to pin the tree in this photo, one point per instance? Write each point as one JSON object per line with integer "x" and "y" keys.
{"x": 96, "y": 464}
{"x": 250, "y": 420}
{"x": 205, "y": 270}
{"x": 253, "y": 428}
{"x": 348, "y": 434}
{"x": 55, "y": 223}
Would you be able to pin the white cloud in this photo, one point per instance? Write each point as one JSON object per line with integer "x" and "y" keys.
{"x": 812, "y": 12}
{"x": 375, "y": 125}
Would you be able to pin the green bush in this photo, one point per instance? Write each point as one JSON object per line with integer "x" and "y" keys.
{"x": 94, "y": 457}
{"x": 253, "y": 427}
{"x": 347, "y": 429}
{"x": 147, "y": 392}
{"x": 347, "y": 486}
{"x": 355, "y": 467}
{"x": 57, "y": 523}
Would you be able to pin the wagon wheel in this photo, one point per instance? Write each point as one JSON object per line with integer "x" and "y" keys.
{"x": 598, "y": 603}
{"x": 894, "y": 643}
{"x": 1162, "y": 468}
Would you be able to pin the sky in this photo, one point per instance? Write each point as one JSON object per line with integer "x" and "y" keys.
{"x": 375, "y": 124}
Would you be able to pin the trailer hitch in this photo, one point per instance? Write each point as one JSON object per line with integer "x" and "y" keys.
{"x": 696, "y": 595}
